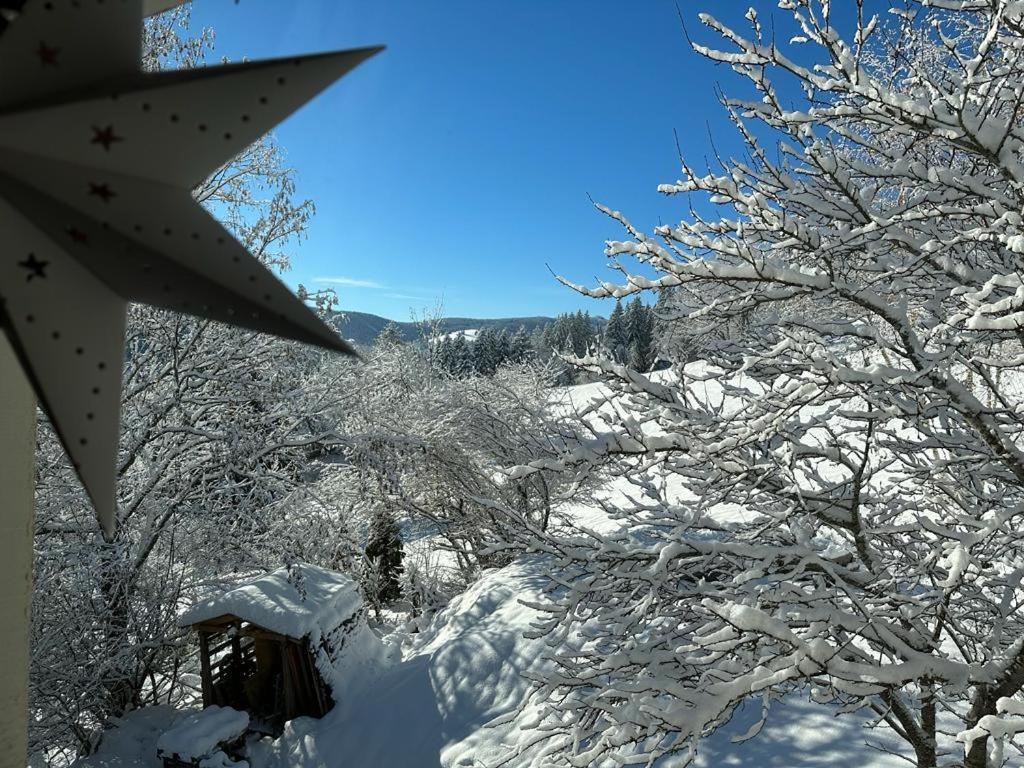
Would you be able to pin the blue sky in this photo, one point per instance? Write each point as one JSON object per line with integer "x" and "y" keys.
{"x": 456, "y": 166}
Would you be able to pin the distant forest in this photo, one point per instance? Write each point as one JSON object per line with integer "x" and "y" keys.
{"x": 628, "y": 336}
{"x": 364, "y": 328}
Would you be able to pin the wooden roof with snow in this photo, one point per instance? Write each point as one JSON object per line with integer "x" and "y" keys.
{"x": 301, "y": 601}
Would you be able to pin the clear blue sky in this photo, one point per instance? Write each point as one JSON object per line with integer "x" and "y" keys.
{"x": 456, "y": 166}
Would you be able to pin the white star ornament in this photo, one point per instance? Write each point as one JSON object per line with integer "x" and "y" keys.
{"x": 97, "y": 164}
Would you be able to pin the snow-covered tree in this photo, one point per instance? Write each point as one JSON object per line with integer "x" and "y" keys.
{"x": 461, "y": 357}
{"x": 679, "y": 337}
{"x": 431, "y": 445}
{"x": 520, "y": 347}
{"x": 842, "y": 516}
{"x": 389, "y": 336}
{"x": 639, "y": 323}
{"x": 502, "y": 348}
{"x": 443, "y": 354}
{"x": 485, "y": 352}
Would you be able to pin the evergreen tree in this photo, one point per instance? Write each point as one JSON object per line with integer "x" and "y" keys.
{"x": 639, "y": 321}
{"x": 485, "y": 352}
{"x": 383, "y": 560}
{"x": 442, "y": 354}
{"x": 461, "y": 356}
{"x": 616, "y": 335}
{"x": 389, "y": 337}
{"x": 582, "y": 333}
{"x": 553, "y": 334}
{"x": 539, "y": 348}
{"x": 502, "y": 349}
{"x": 520, "y": 347}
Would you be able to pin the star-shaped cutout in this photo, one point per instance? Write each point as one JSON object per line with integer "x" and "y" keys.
{"x": 34, "y": 267}
{"x": 105, "y": 137}
{"x": 102, "y": 191}
{"x": 157, "y": 245}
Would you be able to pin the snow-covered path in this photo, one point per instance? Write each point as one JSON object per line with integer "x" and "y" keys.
{"x": 431, "y": 708}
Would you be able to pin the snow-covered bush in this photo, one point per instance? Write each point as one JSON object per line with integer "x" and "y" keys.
{"x": 842, "y": 512}
{"x": 429, "y": 446}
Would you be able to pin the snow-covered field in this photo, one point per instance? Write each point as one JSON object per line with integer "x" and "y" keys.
{"x": 435, "y": 704}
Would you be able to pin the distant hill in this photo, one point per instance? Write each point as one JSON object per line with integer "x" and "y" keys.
{"x": 363, "y": 328}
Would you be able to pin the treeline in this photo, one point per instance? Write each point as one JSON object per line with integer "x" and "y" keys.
{"x": 627, "y": 337}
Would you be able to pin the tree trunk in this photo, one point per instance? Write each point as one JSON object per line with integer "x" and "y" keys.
{"x": 17, "y": 466}
{"x": 978, "y": 756}
{"x": 984, "y": 704}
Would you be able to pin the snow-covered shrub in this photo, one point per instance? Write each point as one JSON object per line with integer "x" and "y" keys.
{"x": 845, "y": 477}
{"x": 428, "y": 446}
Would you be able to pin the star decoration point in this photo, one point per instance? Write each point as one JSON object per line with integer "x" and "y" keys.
{"x": 105, "y": 137}
{"x": 35, "y": 267}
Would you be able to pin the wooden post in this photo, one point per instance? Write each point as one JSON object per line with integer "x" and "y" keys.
{"x": 17, "y": 481}
{"x": 207, "y": 673}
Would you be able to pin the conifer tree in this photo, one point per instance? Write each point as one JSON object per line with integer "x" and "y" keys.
{"x": 485, "y": 352}
{"x": 616, "y": 337}
{"x": 502, "y": 349}
{"x": 383, "y": 560}
{"x": 520, "y": 347}
{"x": 442, "y": 354}
{"x": 461, "y": 356}
{"x": 640, "y": 332}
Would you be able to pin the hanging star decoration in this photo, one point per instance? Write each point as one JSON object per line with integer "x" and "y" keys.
{"x": 97, "y": 164}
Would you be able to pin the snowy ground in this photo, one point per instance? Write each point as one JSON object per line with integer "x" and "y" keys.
{"x": 432, "y": 707}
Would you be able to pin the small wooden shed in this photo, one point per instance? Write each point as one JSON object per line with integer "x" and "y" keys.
{"x": 268, "y": 646}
